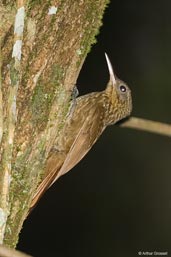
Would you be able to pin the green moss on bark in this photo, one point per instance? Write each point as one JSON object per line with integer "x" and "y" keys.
{"x": 52, "y": 56}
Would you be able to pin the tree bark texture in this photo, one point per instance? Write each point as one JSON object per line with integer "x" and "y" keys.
{"x": 43, "y": 46}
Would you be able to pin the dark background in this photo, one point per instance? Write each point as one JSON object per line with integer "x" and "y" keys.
{"x": 117, "y": 200}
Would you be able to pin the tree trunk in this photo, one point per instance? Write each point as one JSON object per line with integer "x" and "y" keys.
{"x": 43, "y": 46}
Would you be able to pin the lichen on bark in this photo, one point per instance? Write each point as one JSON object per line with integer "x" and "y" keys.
{"x": 37, "y": 92}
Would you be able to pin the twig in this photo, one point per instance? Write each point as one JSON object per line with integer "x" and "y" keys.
{"x": 148, "y": 125}
{"x": 8, "y": 252}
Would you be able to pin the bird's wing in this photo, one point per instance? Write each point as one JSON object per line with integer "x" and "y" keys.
{"x": 83, "y": 142}
{"x": 86, "y": 137}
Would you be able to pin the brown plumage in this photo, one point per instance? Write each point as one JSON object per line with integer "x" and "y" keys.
{"x": 92, "y": 114}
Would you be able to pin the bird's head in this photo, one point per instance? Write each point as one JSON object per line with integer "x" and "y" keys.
{"x": 119, "y": 95}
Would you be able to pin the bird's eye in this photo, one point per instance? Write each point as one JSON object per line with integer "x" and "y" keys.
{"x": 122, "y": 88}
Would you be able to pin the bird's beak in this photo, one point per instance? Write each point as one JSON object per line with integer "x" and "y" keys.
{"x": 111, "y": 73}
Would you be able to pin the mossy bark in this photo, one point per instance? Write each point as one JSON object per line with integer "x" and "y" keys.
{"x": 40, "y": 62}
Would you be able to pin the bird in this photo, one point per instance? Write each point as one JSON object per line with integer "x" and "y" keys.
{"x": 92, "y": 113}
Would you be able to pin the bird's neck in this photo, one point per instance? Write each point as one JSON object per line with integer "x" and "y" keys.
{"x": 114, "y": 107}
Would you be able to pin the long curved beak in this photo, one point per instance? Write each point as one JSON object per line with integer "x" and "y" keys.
{"x": 111, "y": 73}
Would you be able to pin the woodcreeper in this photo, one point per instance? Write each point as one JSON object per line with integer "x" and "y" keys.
{"x": 92, "y": 114}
